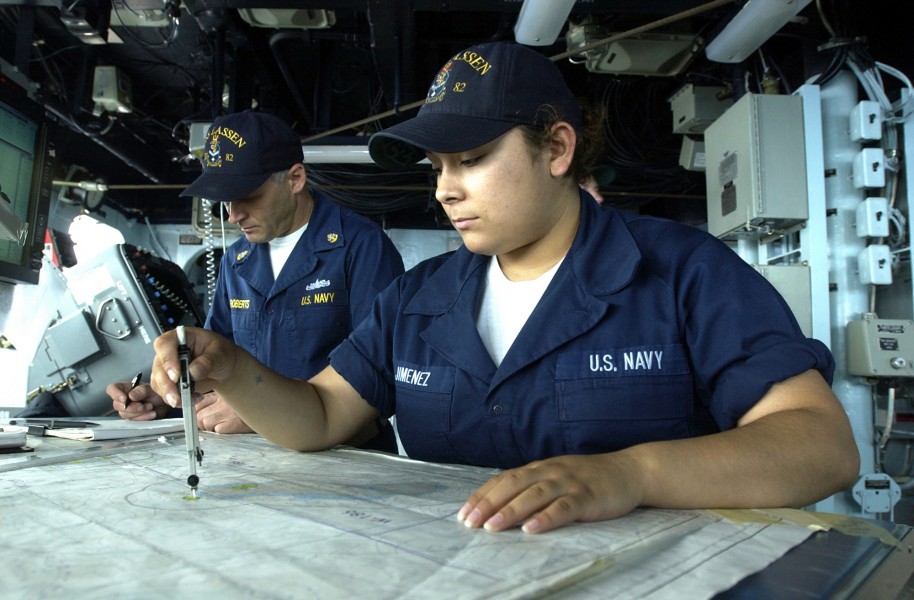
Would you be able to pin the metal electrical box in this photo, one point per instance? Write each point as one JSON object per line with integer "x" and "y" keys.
{"x": 756, "y": 167}
{"x": 695, "y": 107}
{"x": 111, "y": 91}
{"x": 880, "y": 347}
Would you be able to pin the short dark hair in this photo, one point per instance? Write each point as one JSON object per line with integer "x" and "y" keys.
{"x": 591, "y": 141}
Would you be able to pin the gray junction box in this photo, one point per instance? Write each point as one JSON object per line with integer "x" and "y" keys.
{"x": 756, "y": 167}
{"x": 880, "y": 347}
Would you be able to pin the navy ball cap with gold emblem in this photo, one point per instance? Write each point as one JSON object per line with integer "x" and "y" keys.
{"x": 241, "y": 151}
{"x": 480, "y": 94}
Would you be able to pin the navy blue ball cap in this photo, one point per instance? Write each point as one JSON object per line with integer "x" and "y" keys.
{"x": 480, "y": 94}
{"x": 242, "y": 151}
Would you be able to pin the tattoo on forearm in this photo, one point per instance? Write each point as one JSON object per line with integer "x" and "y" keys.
{"x": 259, "y": 379}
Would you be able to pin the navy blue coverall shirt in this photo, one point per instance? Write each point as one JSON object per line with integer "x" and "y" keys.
{"x": 325, "y": 288}
{"x": 649, "y": 330}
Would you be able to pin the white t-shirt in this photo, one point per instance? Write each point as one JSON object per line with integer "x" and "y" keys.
{"x": 506, "y": 305}
{"x": 281, "y": 249}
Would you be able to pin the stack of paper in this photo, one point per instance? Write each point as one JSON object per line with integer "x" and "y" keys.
{"x": 115, "y": 429}
{"x": 100, "y": 428}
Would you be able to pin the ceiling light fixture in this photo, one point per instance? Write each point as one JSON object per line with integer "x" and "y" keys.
{"x": 337, "y": 154}
{"x": 752, "y": 26}
{"x": 541, "y": 21}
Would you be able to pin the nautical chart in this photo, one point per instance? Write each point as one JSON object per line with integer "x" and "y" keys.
{"x": 272, "y": 523}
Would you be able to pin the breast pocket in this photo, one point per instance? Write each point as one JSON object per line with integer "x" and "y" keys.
{"x": 424, "y": 404}
{"x": 614, "y": 399}
{"x": 245, "y": 325}
{"x": 607, "y": 415}
{"x": 328, "y": 317}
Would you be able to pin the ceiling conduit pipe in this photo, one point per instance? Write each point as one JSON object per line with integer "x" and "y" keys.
{"x": 398, "y": 72}
{"x": 275, "y": 40}
{"x": 218, "y": 72}
{"x": 104, "y": 144}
